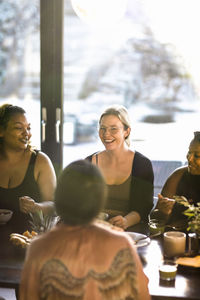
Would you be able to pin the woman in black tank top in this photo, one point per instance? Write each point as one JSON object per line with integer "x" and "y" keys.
{"x": 27, "y": 178}
{"x": 184, "y": 181}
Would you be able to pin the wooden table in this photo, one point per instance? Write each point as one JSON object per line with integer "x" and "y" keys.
{"x": 187, "y": 282}
{"x": 11, "y": 259}
{"x": 186, "y": 285}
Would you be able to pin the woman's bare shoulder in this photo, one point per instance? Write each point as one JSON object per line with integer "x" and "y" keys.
{"x": 43, "y": 163}
{"x": 43, "y": 157}
{"x": 170, "y": 186}
{"x": 113, "y": 233}
{"x": 178, "y": 172}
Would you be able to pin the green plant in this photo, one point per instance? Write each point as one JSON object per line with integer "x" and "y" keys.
{"x": 192, "y": 212}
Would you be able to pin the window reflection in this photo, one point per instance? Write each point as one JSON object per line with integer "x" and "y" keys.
{"x": 20, "y": 59}
{"x": 142, "y": 62}
{"x": 129, "y": 65}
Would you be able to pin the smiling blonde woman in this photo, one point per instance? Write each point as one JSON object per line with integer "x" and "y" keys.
{"x": 128, "y": 174}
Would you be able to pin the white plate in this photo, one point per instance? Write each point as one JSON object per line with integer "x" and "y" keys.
{"x": 136, "y": 236}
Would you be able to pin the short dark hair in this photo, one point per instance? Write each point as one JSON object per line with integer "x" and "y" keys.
{"x": 7, "y": 111}
{"x": 196, "y": 136}
{"x": 80, "y": 194}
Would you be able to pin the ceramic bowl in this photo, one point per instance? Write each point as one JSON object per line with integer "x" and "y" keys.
{"x": 5, "y": 215}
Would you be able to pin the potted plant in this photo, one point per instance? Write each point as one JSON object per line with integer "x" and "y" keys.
{"x": 193, "y": 214}
{"x": 193, "y": 225}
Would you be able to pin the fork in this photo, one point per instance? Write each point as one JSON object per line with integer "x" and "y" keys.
{"x": 147, "y": 236}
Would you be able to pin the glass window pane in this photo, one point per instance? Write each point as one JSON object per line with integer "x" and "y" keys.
{"x": 143, "y": 62}
{"x": 20, "y": 59}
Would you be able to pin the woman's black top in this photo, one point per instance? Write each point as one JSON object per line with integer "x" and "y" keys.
{"x": 141, "y": 185}
{"x": 189, "y": 187}
{"x": 9, "y": 197}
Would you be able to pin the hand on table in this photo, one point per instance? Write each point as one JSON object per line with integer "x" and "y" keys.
{"x": 118, "y": 221}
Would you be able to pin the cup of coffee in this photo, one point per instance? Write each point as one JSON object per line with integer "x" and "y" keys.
{"x": 174, "y": 243}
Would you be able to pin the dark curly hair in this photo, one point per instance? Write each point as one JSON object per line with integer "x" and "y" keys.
{"x": 80, "y": 193}
{"x": 196, "y": 136}
{"x": 7, "y": 111}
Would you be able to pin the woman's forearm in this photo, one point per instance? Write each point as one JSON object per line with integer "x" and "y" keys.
{"x": 132, "y": 218}
{"x": 47, "y": 207}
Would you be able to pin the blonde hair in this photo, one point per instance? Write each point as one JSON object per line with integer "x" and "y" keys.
{"x": 122, "y": 114}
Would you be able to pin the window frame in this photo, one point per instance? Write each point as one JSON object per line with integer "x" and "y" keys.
{"x": 51, "y": 80}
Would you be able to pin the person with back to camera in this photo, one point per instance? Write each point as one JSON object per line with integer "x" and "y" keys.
{"x": 27, "y": 178}
{"x": 184, "y": 181}
{"x": 80, "y": 258}
{"x": 128, "y": 174}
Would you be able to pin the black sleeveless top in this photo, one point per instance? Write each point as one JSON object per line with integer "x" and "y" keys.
{"x": 189, "y": 187}
{"x": 9, "y": 197}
